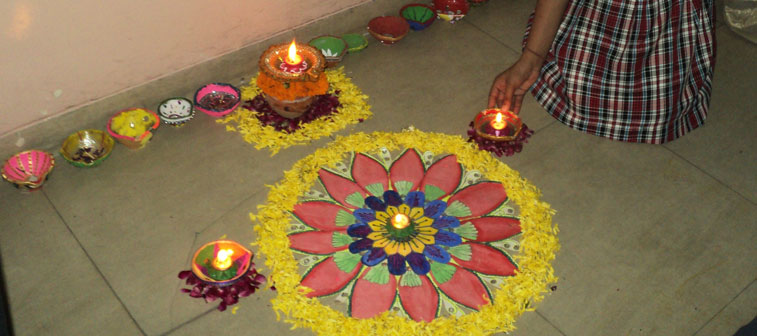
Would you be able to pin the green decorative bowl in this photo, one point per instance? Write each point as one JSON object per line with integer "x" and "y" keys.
{"x": 355, "y": 42}
{"x": 332, "y": 47}
{"x": 87, "y": 148}
{"x": 419, "y": 16}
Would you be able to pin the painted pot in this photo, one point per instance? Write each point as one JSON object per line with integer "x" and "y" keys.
{"x": 217, "y": 99}
{"x": 290, "y": 108}
{"x": 355, "y": 42}
{"x": 418, "y": 16}
{"x": 87, "y": 148}
{"x": 28, "y": 169}
{"x": 388, "y": 29}
{"x": 176, "y": 111}
{"x": 333, "y": 48}
{"x": 133, "y": 127}
{"x": 451, "y": 10}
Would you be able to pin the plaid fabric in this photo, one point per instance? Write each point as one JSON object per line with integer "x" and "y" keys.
{"x": 631, "y": 70}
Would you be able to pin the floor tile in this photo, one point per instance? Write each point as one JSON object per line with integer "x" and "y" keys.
{"x": 503, "y": 20}
{"x": 649, "y": 243}
{"x": 53, "y": 288}
{"x": 436, "y": 79}
{"x": 725, "y": 146}
{"x": 142, "y": 208}
{"x": 739, "y": 312}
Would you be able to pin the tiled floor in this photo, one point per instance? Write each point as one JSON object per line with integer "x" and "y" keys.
{"x": 656, "y": 240}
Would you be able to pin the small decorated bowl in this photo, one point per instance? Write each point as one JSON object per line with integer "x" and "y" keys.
{"x": 221, "y": 262}
{"x": 176, "y": 111}
{"x": 333, "y": 48}
{"x": 451, "y": 10}
{"x": 217, "y": 99}
{"x": 87, "y": 148}
{"x": 355, "y": 42}
{"x": 133, "y": 127}
{"x": 419, "y": 16}
{"x": 388, "y": 29}
{"x": 28, "y": 169}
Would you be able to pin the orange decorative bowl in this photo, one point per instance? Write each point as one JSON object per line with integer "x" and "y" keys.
{"x": 388, "y": 29}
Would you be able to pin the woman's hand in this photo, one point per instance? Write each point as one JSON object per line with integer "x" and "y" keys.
{"x": 510, "y": 86}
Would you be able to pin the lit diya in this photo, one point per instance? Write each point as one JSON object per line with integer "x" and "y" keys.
{"x": 500, "y": 132}
{"x": 222, "y": 269}
{"x": 291, "y": 76}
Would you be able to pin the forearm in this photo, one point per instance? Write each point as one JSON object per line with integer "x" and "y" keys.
{"x": 547, "y": 18}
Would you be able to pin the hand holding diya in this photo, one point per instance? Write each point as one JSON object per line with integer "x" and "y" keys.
{"x": 291, "y": 75}
{"x": 500, "y": 132}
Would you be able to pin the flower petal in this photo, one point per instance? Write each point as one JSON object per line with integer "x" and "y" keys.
{"x": 367, "y": 171}
{"x": 375, "y": 235}
{"x": 391, "y": 197}
{"x": 426, "y": 231}
{"x": 416, "y": 246}
{"x": 416, "y": 213}
{"x": 339, "y": 188}
{"x": 396, "y": 264}
{"x": 316, "y": 242}
{"x": 495, "y": 228}
{"x": 361, "y": 245}
{"x": 364, "y": 215}
{"x": 437, "y": 254}
{"x": 424, "y": 222}
{"x": 415, "y": 199}
{"x": 319, "y": 215}
{"x": 420, "y": 302}
{"x": 370, "y": 299}
{"x": 377, "y": 225}
{"x": 382, "y": 216}
{"x": 480, "y": 198}
{"x": 392, "y": 210}
{"x": 359, "y": 230}
{"x": 392, "y": 247}
{"x": 381, "y": 242}
{"x": 446, "y": 222}
{"x": 444, "y": 175}
{"x": 403, "y": 208}
{"x": 374, "y": 257}
{"x": 418, "y": 263}
{"x": 404, "y": 249}
{"x": 488, "y": 260}
{"x": 425, "y": 239}
{"x": 409, "y": 167}
{"x": 435, "y": 209}
{"x": 326, "y": 278}
{"x": 375, "y": 203}
{"x": 448, "y": 238}
{"x": 465, "y": 288}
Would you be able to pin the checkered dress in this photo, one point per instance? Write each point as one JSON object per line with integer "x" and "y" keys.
{"x": 631, "y": 70}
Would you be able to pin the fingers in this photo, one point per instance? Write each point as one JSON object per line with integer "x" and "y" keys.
{"x": 517, "y": 103}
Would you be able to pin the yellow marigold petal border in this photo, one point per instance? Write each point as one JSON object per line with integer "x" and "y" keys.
{"x": 519, "y": 293}
{"x": 354, "y": 107}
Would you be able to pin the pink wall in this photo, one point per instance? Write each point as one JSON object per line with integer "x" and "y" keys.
{"x": 59, "y": 55}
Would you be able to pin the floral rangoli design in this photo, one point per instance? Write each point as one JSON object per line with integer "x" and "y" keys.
{"x": 401, "y": 235}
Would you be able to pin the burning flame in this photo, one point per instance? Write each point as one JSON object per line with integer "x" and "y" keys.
{"x": 223, "y": 259}
{"x": 292, "y": 57}
{"x": 498, "y": 123}
{"x": 400, "y": 221}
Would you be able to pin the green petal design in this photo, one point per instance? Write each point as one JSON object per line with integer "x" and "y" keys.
{"x": 378, "y": 275}
{"x": 458, "y": 209}
{"x": 410, "y": 279}
{"x": 462, "y": 252}
{"x": 355, "y": 199}
{"x": 403, "y": 187}
{"x": 344, "y": 218}
{"x": 442, "y": 272}
{"x": 377, "y": 189}
{"x": 467, "y": 231}
{"x": 433, "y": 192}
{"x": 346, "y": 260}
{"x": 339, "y": 239}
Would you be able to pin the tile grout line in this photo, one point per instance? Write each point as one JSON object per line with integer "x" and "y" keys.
{"x": 494, "y": 37}
{"x": 710, "y": 175}
{"x": 724, "y": 307}
{"x": 177, "y": 327}
{"x": 550, "y": 322}
{"x": 92, "y": 261}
